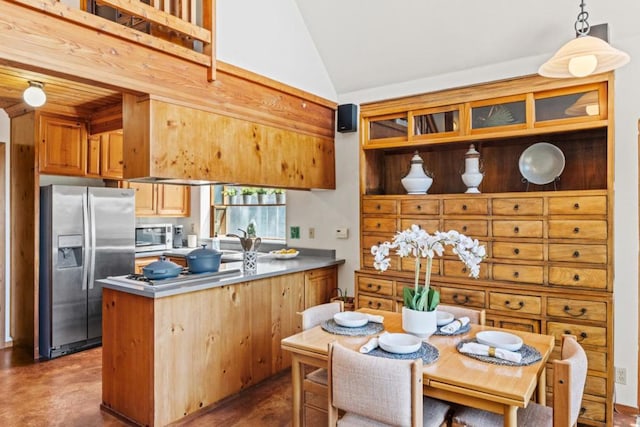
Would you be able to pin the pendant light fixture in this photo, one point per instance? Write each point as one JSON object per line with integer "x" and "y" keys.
{"x": 584, "y": 55}
{"x": 34, "y": 95}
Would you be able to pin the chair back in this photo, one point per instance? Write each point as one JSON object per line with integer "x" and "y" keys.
{"x": 476, "y": 317}
{"x": 569, "y": 376}
{"x": 385, "y": 390}
{"x": 317, "y": 314}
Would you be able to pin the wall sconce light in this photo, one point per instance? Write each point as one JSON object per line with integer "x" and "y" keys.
{"x": 583, "y": 55}
{"x": 34, "y": 95}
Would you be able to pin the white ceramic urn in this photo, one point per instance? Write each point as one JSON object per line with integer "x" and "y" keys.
{"x": 416, "y": 181}
{"x": 472, "y": 176}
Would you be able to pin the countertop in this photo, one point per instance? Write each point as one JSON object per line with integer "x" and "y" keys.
{"x": 268, "y": 266}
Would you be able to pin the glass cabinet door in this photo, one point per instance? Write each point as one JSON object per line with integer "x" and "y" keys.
{"x": 497, "y": 113}
{"x": 386, "y": 128}
{"x": 568, "y": 105}
{"x": 436, "y": 122}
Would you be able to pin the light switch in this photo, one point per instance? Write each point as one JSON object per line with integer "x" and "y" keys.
{"x": 342, "y": 233}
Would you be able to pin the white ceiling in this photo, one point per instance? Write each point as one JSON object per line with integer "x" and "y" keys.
{"x": 373, "y": 43}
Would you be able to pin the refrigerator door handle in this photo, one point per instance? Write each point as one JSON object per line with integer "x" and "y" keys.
{"x": 85, "y": 249}
{"x": 92, "y": 222}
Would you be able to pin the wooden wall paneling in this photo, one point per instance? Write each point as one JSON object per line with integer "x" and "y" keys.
{"x": 127, "y": 355}
{"x": 106, "y": 119}
{"x": 3, "y": 235}
{"x": 24, "y": 232}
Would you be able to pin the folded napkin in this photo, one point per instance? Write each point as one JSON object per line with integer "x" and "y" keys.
{"x": 371, "y": 345}
{"x": 375, "y": 318}
{"x": 485, "y": 350}
{"x": 455, "y": 325}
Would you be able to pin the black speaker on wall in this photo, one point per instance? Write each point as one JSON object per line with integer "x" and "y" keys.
{"x": 347, "y": 118}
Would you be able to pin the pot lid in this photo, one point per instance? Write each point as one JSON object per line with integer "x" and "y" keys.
{"x": 203, "y": 252}
{"x": 161, "y": 265}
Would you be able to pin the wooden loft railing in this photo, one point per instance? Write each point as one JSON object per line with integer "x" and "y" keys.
{"x": 172, "y": 22}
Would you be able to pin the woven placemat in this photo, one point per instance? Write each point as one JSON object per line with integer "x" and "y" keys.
{"x": 427, "y": 353}
{"x": 529, "y": 355}
{"x": 369, "y": 329}
{"x": 463, "y": 330}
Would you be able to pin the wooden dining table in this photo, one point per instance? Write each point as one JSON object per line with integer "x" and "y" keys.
{"x": 453, "y": 377}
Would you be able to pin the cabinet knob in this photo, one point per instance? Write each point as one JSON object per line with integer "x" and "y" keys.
{"x": 460, "y": 300}
{"x": 378, "y": 207}
{"x": 516, "y": 230}
{"x": 464, "y": 228}
{"x": 582, "y": 312}
{"x": 464, "y": 269}
{"x": 520, "y": 305}
{"x": 583, "y": 336}
{"x": 576, "y": 277}
{"x": 419, "y": 207}
{"x": 576, "y": 230}
{"x": 464, "y": 207}
{"x": 378, "y": 225}
{"x": 582, "y": 410}
{"x": 516, "y": 274}
{"x": 576, "y": 206}
{"x": 516, "y": 207}
{"x": 576, "y": 254}
{"x": 516, "y": 251}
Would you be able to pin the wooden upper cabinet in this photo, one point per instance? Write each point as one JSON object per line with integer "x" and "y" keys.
{"x": 146, "y": 197}
{"x": 62, "y": 148}
{"x": 93, "y": 156}
{"x": 111, "y": 155}
{"x": 173, "y": 200}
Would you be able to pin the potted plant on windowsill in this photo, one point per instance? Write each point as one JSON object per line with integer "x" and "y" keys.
{"x": 249, "y": 196}
{"x": 281, "y": 196}
{"x": 262, "y": 193}
{"x": 421, "y": 301}
{"x": 230, "y": 196}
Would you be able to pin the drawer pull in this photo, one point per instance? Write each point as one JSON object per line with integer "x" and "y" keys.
{"x": 516, "y": 251}
{"x": 379, "y": 305}
{"x": 576, "y": 277}
{"x": 582, "y": 410}
{"x": 457, "y": 299}
{"x": 516, "y": 274}
{"x": 567, "y": 310}
{"x": 576, "y": 230}
{"x": 370, "y": 303}
{"x": 576, "y": 254}
{"x": 516, "y": 207}
{"x": 378, "y": 207}
{"x": 576, "y": 206}
{"x": 378, "y": 225}
{"x": 464, "y": 269}
{"x": 419, "y": 207}
{"x": 516, "y": 230}
{"x": 464, "y": 207}
{"x": 370, "y": 286}
{"x": 520, "y": 306}
{"x": 464, "y": 228}
{"x": 583, "y": 335}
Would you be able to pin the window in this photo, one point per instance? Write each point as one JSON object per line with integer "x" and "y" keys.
{"x": 235, "y": 207}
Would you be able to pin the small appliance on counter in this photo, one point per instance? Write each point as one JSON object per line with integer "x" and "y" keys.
{"x": 154, "y": 237}
{"x": 177, "y": 236}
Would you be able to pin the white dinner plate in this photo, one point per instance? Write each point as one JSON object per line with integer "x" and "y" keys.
{"x": 499, "y": 339}
{"x": 399, "y": 343}
{"x": 351, "y": 319}
{"x": 443, "y": 318}
{"x": 541, "y": 163}
{"x": 279, "y": 255}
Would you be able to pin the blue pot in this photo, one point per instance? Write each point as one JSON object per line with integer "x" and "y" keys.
{"x": 204, "y": 260}
{"x": 161, "y": 269}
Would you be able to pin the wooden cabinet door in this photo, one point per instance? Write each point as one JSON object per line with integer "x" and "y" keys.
{"x": 319, "y": 286}
{"x": 62, "y": 148}
{"x": 111, "y": 155}
{"x": 146, "y": 196}
{"x": 173, "y": 200}
{"x": 93, "y": 156}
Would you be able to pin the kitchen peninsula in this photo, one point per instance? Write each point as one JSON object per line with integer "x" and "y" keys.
{"x": 169, "y": 351}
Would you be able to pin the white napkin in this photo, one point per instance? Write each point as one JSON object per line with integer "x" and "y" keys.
{"x": 371, "y": 345}
{"x": 375, "y": 318}
{"x": 455, "y": 325}
{"x": 483, "y": 350}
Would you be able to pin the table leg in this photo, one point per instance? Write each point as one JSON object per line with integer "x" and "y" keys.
{"x": 542, "y": 387}
{"x": 510, "y": 416}
{"x": 296, "y": 379}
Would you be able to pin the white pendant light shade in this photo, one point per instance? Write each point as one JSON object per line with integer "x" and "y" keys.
{"x": 583, "y": 56}
{"x": 34, "y": 95}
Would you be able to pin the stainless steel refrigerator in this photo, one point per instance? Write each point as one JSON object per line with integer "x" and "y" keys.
{"x": 86, "y": 234}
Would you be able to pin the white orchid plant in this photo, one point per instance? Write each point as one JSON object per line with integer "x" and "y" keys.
{"x": 416, "y": 242}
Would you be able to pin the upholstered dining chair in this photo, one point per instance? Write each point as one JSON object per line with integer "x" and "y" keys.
{"x": 569, "y": 376}
{"x": 476, "y": 317}
{"x": 376, "y": 391}
{"x": 314, "y": 385}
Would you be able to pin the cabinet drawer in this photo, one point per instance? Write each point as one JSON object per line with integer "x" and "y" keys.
{"x": 516, "y": 303}
{"x": 517, "y": 228}
{"x": 592, "y": 410}
{"x": 586, "y": 335}
{"x": 516, "y": 324}
{"x": 458, "y": 269}
{"x": 428, "y": 225}
{"x": 409, "y": 264}
{"x": 471, "y": 228}
{"x": 387, "y": 225}
{"x": 577, "y": 309}
{"x": 419, "y": 207}
{"x": 594, "y": 278}
{"x": 578, "y": 229}
{"x": 595, "y": 386}
{"x": 525, "y": 251}
{"x": 518, "y": 273}
{"x": 371, "y": 285}
{"x": 596, "y": 360}
{"x": 583, "y": 205}
{"x": 401, "y": 285}
{"x": 378, "y": 206}
{"x": 596, "y": 254}
{"x": 365, "y": 301}
{"x": 529, "y": 206}
{"x": 367, "y": 261}
{"x": 369, "y": 240}
{"x": 466, "y": 206}
{"x": 466, "y": 297}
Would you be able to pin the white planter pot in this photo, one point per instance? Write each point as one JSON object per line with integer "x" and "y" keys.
{"x": 235, "y": 200}
{"x": 419, "y": 323}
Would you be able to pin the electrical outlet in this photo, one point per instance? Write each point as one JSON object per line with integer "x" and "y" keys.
{"x": 621, "y": 376}
{"x": 294, "y": 232}
{"x": 312, "y": 233}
